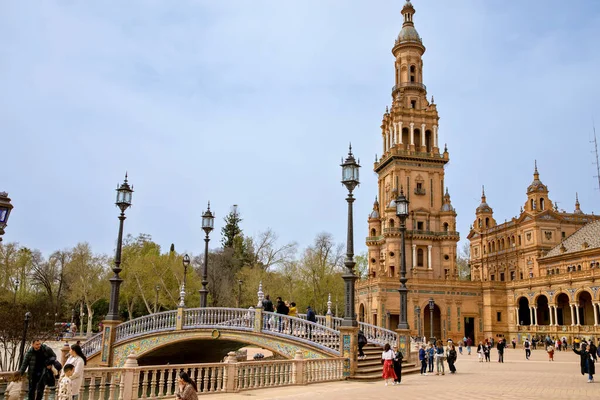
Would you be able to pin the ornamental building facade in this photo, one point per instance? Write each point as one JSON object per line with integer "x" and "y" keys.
{"x": 532, "y": 275}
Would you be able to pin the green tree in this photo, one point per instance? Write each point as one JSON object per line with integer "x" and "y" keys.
{"x": 231, "y": 229}
{"x": 362, "y": 265}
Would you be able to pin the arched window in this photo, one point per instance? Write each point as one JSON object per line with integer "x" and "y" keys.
{"x": 373, "y": 232}
{"x": 487, "y": 222}
{"x": 542, "y": 203}
{"x": 445, "y": 227}
{"x": 579, "y": 268}
{"x": 532, "y": 204}
{"x": 420, "y": 257}
{"x": 391, "y": 223}
{"x": 412, "y": 73}
{"x": 479, "y": 223}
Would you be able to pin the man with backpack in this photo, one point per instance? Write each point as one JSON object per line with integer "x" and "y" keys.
{"x": 283, "y": 310}
{"x": 527, "y": 348}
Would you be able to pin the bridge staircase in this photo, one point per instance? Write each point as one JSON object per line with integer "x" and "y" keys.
{"x": 370, "y": 368}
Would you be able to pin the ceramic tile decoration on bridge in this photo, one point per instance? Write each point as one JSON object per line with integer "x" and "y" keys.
{"x": 282, "y": 334}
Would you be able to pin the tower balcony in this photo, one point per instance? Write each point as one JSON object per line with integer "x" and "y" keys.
{"x": 420, "y": 234}
{"x": 411, "y": 85}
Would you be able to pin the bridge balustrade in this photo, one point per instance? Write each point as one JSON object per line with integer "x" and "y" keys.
{"x": 160, "y": 381}
{"x": 92, "y": 345}
{"x": 159, "y": 322}
{"x": 218, "y": 317}
{"x": 301, "y": 329}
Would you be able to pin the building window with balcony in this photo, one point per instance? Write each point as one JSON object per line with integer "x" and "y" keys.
{"x": 373, "y": 232}
{"x": 413, "y": 104}
{"x": 502, "y": 276}
{"x": 512, "y": 275}
{"x": 420, "y": 257}
{"x": 420, "y": 226}
{"x": 492, "y": 277}
{"x": 391, "y": 223}
{"x": 419, "y": 189}
{"x": 412, "y": 73}
{"x": 446, "y": 230}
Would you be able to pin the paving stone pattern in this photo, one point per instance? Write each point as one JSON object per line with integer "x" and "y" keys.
{"x": 517, "y": 378}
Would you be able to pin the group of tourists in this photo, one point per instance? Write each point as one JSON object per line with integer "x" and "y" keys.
{"x": 430, "y": 353}
{"x": 285, "y": 308}
{"x": 392, "y": 364}
{"x": 44, "y": 370}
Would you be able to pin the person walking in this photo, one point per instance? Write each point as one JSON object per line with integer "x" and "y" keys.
{"x": 38, "y": 359}
{"x": 267, "y": 306}
{"x": 500, "y": 347}
{"x": 387, "y": 357}
{"x": 592, "y": 349}
{"x": 423, "y": 359}
{"x": 311, "y": 317}
{"x": 460, "y": 347}
{"x": 527, "y": 347}
{"x": 398, "y": 357}
{"x": 65, "y": 386}
{"x": 486, "y": 351}
{"x": 550, "y": 351}
{"x": 187, "y": 387}
{"x": 480, "y": 353}
{"x": 469, "y": 344}
{"x": 439, "y": 358}
{"x": 514, "y": 343}
{"x": 78, "y": 360}
{"x": 430, "y": 356}
{"x": 362, "y": 341}
{"x": 14, "y": 388}
{"x": 451, "y": 357}
{"x": 282, "y": 309}
{"x": 586, "y": 362}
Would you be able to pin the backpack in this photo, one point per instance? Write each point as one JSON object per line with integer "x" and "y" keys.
{"x": 526, "y": 344}
{"x": 362, "y": 339}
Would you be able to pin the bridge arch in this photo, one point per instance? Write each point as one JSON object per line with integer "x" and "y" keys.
{"x": 144, "y": 345}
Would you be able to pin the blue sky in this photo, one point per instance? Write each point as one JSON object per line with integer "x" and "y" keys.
{"x": 254, "y": 103}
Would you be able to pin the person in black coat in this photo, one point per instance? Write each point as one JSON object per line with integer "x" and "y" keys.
{"x": 283, "y": 310}
{"x": 586, "y": 363}
{"x": 500, "y": 347}
{"x": 451, "y": 358}
{"x": 398, "y": 365}
{"x": 38, "y": 363}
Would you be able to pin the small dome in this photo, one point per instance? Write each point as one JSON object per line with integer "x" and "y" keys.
{"x": 447, "y": 207}
{"x": 409, "y": 34}
{"x": 374, "y": 214}
{"x": 392, "y": 203}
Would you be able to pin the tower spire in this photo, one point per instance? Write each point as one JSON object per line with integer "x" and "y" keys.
{"x": 536, "y": 174}
{"x": 483, "y": 194}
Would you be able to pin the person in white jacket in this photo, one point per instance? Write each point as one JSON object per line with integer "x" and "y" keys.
{"x": 78, "y": 360}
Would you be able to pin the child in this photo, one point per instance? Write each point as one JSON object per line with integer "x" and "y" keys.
{"x": 550, "y": 350}
{"x": 13, "y": 390}
{"x": 65, "y": 388}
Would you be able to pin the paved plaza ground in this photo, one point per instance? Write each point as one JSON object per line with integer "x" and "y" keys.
{"x": 517, "y": 378}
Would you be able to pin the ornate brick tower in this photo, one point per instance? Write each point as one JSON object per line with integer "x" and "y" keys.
{"x": 411, "y": 159}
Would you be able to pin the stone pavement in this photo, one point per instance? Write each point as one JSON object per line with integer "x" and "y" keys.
{"x": 517, "y": 378}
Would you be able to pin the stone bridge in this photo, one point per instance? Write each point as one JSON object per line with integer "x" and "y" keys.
{"x": 282, "y": 334}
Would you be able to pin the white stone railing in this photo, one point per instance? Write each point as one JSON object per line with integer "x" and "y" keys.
{"x": 93, "y": 345}
{"x": 160, "y": 381}
{"x": 302, "y": 330}
{"x": 164, "y": 321}
{"x": 237, "y": 318}
{"x": 336, "y": 322}
{"x": 378, "y": 335}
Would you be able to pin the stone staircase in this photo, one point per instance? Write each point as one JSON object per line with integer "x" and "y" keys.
{"x": 370, "y": 367}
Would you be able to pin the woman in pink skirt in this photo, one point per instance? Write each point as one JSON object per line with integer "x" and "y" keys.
{"x": 387, "y": 358}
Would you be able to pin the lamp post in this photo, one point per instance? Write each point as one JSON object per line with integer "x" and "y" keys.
{"x": 418, "y": 312}
{"x": 15, "y": 283}
{"x": 208, "y": 221}
{"x": 24, "y": 338}
{"x": 350, "y": 179}
{"x": 157, "y": 289}
{"x": 431, "y": 307}
{"x": 239, "y": 293}
{"x": 402, "y": 213}
{"x": 5, "y": 208}
{"x": 124, "y": 193}
{"x": 186, "y": 264}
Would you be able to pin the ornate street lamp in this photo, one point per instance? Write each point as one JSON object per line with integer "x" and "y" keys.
{"x": 350, "y": 169}
{"x": 431, "y": 307}
{"x": 402, "y": 213}
{"x": 240, "y": 282}
{"x": 5, "y": 208}
{"x": 186, "y": 264}
{"x": 208, "y": 224}
{"x": 15, "y": 283}
{"x": 24, "y": 338}
{"x": 124, "y": 193}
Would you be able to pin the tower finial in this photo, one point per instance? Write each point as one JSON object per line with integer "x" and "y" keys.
{"x": 482, "y": 192}
{"x": 536, "y": 174}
